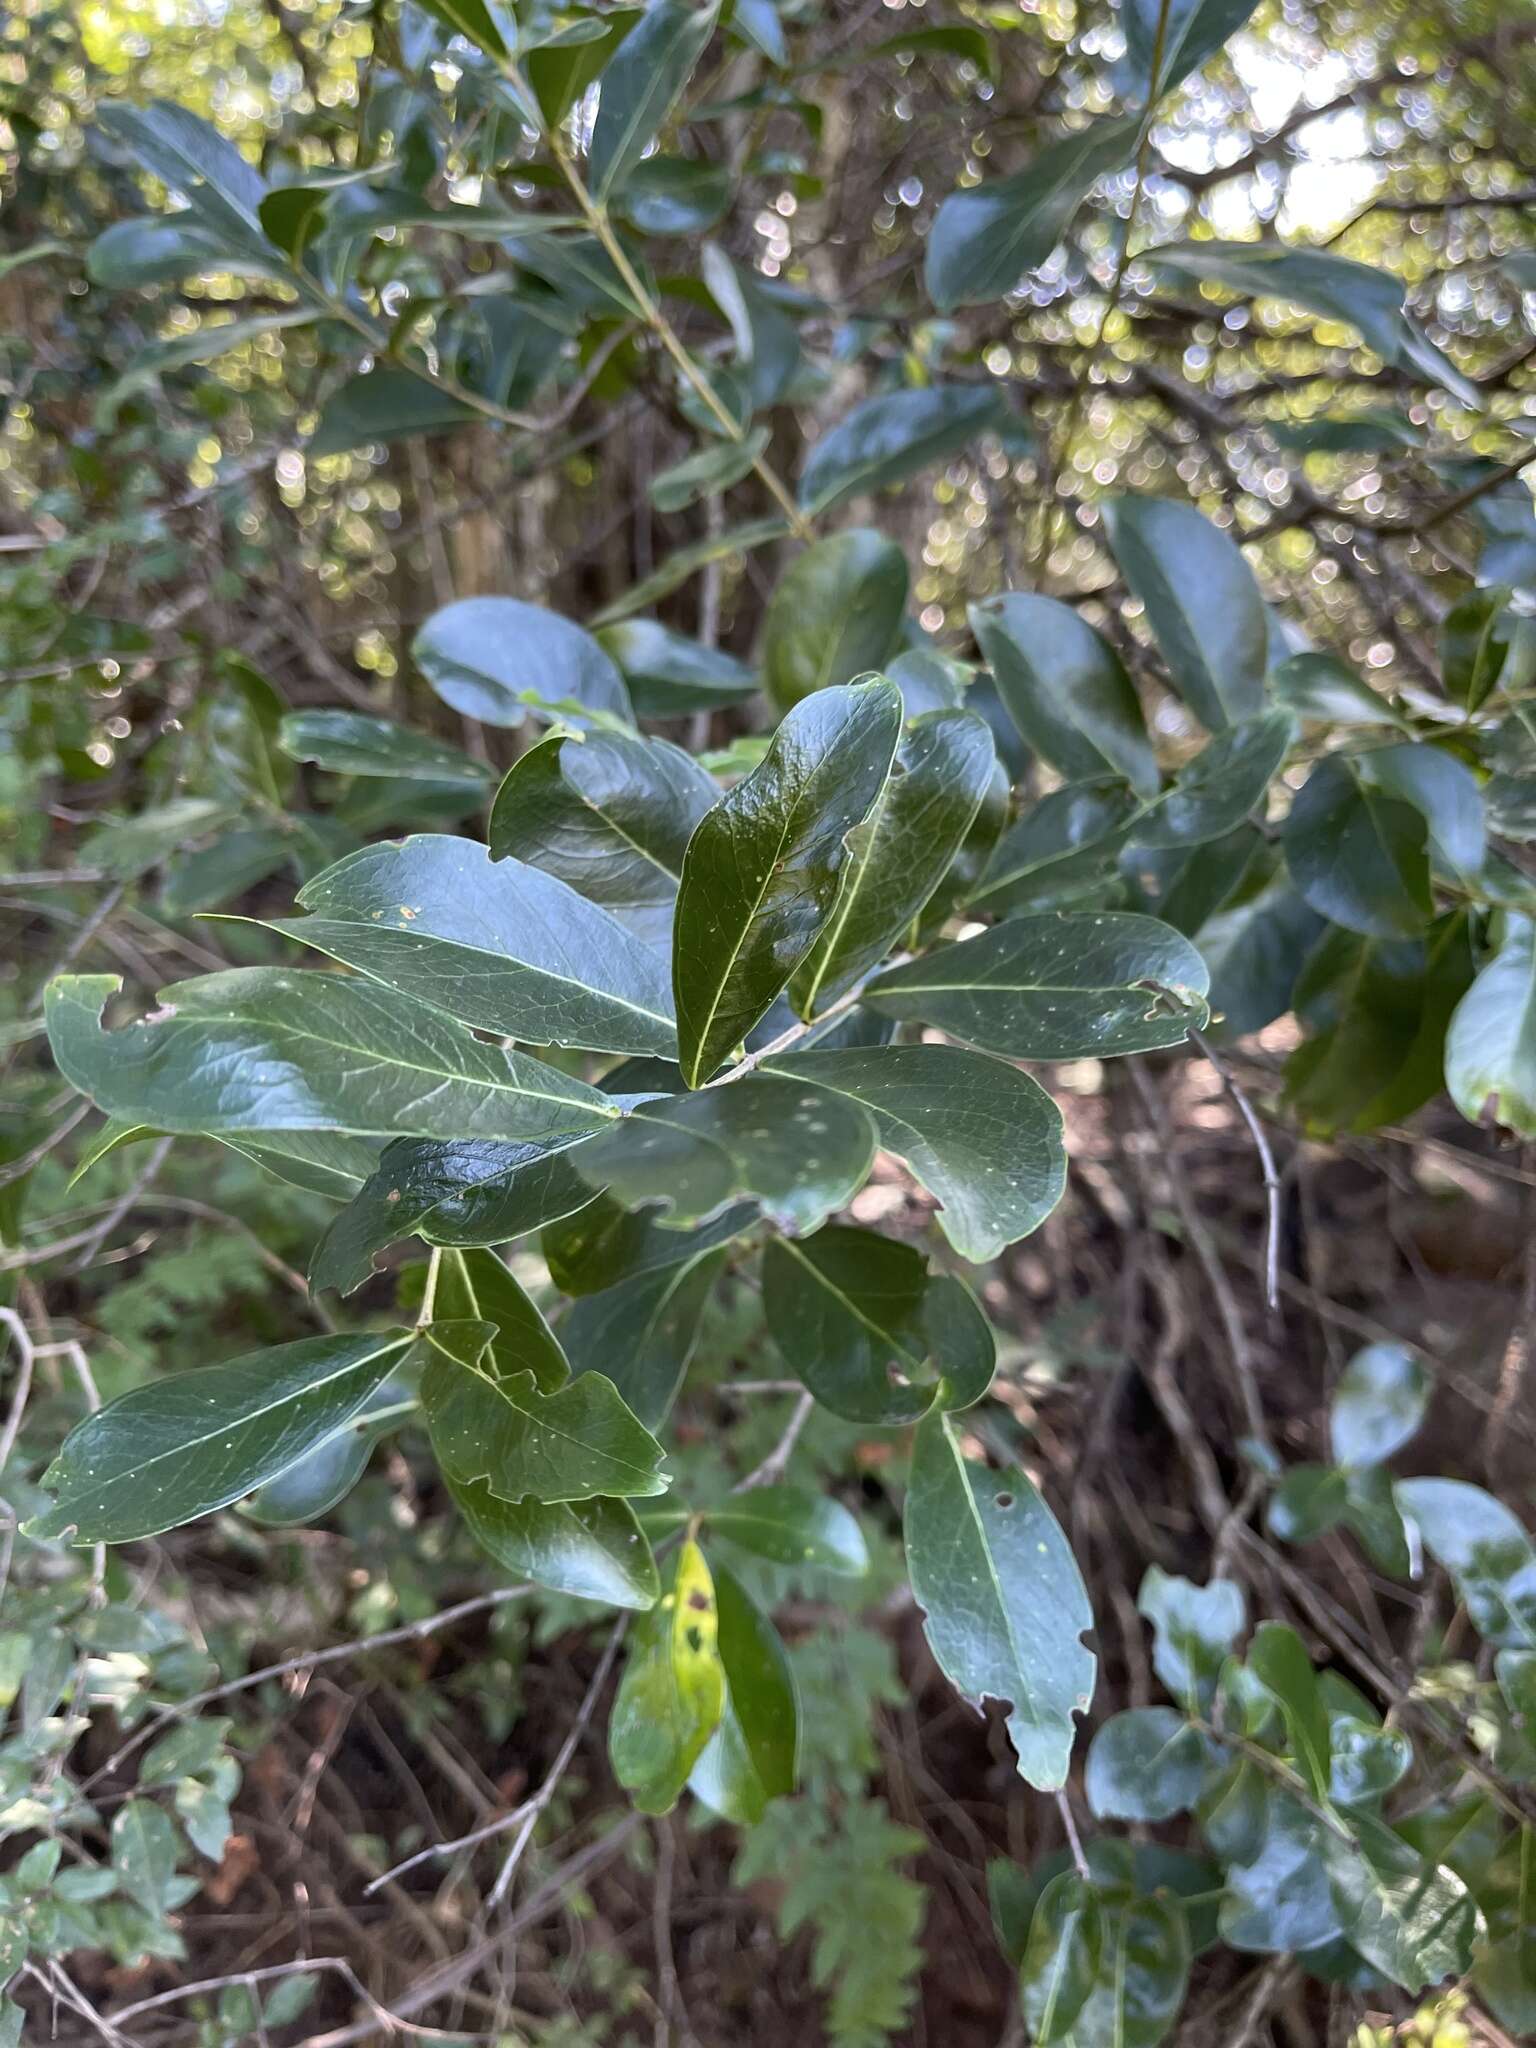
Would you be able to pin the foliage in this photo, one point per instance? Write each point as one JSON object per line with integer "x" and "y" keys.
{"x": 658, "y": 959}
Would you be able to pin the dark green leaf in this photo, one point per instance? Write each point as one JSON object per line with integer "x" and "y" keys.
{"x": 190, "y": 156}
{"x": 985, "y": 238}
{"x": 751, "y": 1757}
{"x": 671, "y": 676}
{"x": 901, "y": 852}
{"x": 611, "y": 815}
{"x": 715, "y": 468}
{"x": 191, "y": 1442}
{"x": 493, "y": 658}
{"x": 472, "y": 20}
{"x": 260, "y": 1049}
{"x": 1375, "y": 430}
{"x": 1062, "y": 850}
{"x": 1146, "y": 1764}
{"x": 168, "y": 248}
{"x": 836, "y": 614}
{"x": 496, "y": 944}
{"x": 313, "y": 1484}
{"x": 763, "y": 868}
{"x": 1484, "y": 646}
{"x": 1056, "y": 987}
{"x": 790, "y": 1527}
{"x": 642, "y": 84}
{"x": 145, "y": 1850}
{"x": 1322, "y": 687}
{"x": 385, "y": 404}
{"x": 1202, "y": 603}
{"x": 493, "y": 1422}
{"x": 889, "y": 438}
{"x": 473, "y": 1286}
{"x": 128, "y": 847}
{"x": 1004, "y": 1602}
{"x": 1065, "y": 688}
{"x": 672, "y": 1694}
{"x": 207, "y": 877}
{"x": 1216, "y": 791}
{"x": 1278, "y": 1659}
{"x": 352, "y": 743}
{"x": 685, "y": 562}
{"x": 1358, "y": 856}
{"x": 1309, "y": 1501}
{"x": 1490, "y": 1051}
{"x": 1413, "y": 1920}
{"x": 1337, "y": 287}
{"x": 795, "y": 1151}
{"x": 983, "y": 1138}
{"x": 1163, "y": 48}
{"x": 1378, "y": 1404}
{"x": 591, "y": 1549}
{"x": 642, "y": 1332}
{"x": 674, "y": 195}
{"x": 1062, "y": 1957}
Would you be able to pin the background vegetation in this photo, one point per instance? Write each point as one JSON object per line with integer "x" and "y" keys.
{"x": 315, "y": 1765}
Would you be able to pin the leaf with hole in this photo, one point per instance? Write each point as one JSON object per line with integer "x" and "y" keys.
{"x": 672, "y": 1694}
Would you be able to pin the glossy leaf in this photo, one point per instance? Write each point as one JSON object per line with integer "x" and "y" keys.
{"x": 496, "y": 944}
{"x": 1062, "y": 850}
{"x": 1061, "y": 1959}
{"x": 260, "y": 1049}
{"x": 983, "y": 239}
{"x": 491, "y": 1421}
{"x": 835, "y": 614}
{"x": 591, "y": 1549}
{"x": 901, "y": 852}
{"x": 794, "y": 1151}
{"x": 1145, "y": 1764}
{"x": 1202, "y": 602}
{"x": 353, "y": 743}
{"x": 494, "y": 658}
{"x": 1195, "y": 1629}
{"x": 1004, "y": 1602}
{"x": 791, "y": 1527}
{"x": 385, "y": 404}
{"x": 674, "y": 195}
{"x": 855, "y": 1316}
{"x": 671, "y": 676}
{"x": 1278, "y": 1659}
{"x": 313, "y": 1484}
{"x": 1309, "y": 1501}
{"x": 984, "y": 1139}
{"x": 1056, "y": 987}
{"x": 223, "y": 190}
{"x": 1125, "y": 1983}
{"x": 1065, "y": 688}
{"x": 763, "y": 868}
{"x": 464, "y": 1192}
{"x": 1484, "y": 1547}
{"x": 641, "y": 85}
{"x": 1413, "y": 1920}
{"x": 751, "y": 1757}
{"x": 672, "y": 1694}
{"x": 1358, "y": 855}
{"x": 1162, "y": 49}
{"x": 610, "y": 815}
{"x": 642, "y": 1332}
{"x": 1378, "y": 1404}
{"x": 889, "y": 438}
{"x": 1337, "y": 287}
{"x": 188, "y": 1443}
{"x": 1213, "y": 794}
{"x": 1322, "y": 687}
{"x": 714, "y": 468}
{"x": 1490, "y": 1050}
{"x": 474, "y": 1286}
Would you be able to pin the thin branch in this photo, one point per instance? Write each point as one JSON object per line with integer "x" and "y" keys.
{"x": 1267, "y": 1166}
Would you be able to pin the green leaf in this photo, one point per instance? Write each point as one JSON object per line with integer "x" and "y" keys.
{"x": 1277, "y": 1892}
{"x": 591, "y": 1549}
{"x": 1378, "y": 1404}
{"x": 352, "y": 743}
{"x": 766, "y": 337}
{"x": 474, "y": 1286}
{"x": 674, "y": 195}
{"x": 223, "y": 191}
{"x": 128, "y": 847}
{"x": 1163, "y": 47}
{"x": 751, "y": 1757}
{"x": 1213, "y": 794}
{"x": 1146, "y": 1764}
{"x": 791, "y": 1527}
{"x": 1484, "y": 646}
{"x": 492, "y": 1421}
{"x": 984, "y": 1139}
{"x": 1485, "y": 1549}
{"x": 385, "y": 404}
{"x": 1358, "y": 856}
{"x": 166, "y": 248}
{"x": 836, "y": 614}
{"x": 763, "y": 868}
{"x": 714, "y": 468}
{"x": 1056, "y": 987}
{"x": 901, "y": 853}
{"x": 1062, "y": 1956}
{"x": 984, "y": 239}
{"x": 204, "y": 345}
{"x": 181, "y": 1446}
{"x": 1309, "y": 1501}
{"x": 1415, "y": 1921}
{"x": 205, "y": 878}
{"x": 1278, "y": 1659}
{"x": 1445, "y": 793}
{"x": 672, "y": 1694}
{"x": 1065, "y": 847}
{"x": 1490, "y": 1050}
{"x": 494, "y": 658}
{"x": 606, "y": 1244}
{"x": 671, "y": 676}
{"x": 685, "y": 562}
{"x": 571, "y": 57}
{"x": 472, "y": 20}
{"x": 144, "y": 1852}
{"x": 1337, "y": 287}
{"x": 1104, "y": 1971}
{"x": 1003, "y": 1598}
{"x": 1374, "y": 430}
{"x": 464, "y": 1192}
{"x": 1320, "y": 686}
{"x": 642, "y": 84}
{"x": 794, "y": 1151}
{"x": 495, "y": 944}
{"x": 858, "y": 1320}
{"x": 313, "y": 1484}
{"x": 260, "y": 1049}
{"x": 1195, "y": 1629}
{"x": 642, "y": 1332}
{"x": 1202, "y": 602}
{"x": 1065, "y": 688}
{"x": 891, "y": 437}
{"x": 609, "y": 814}
{"x": 1368, "y": 1761}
